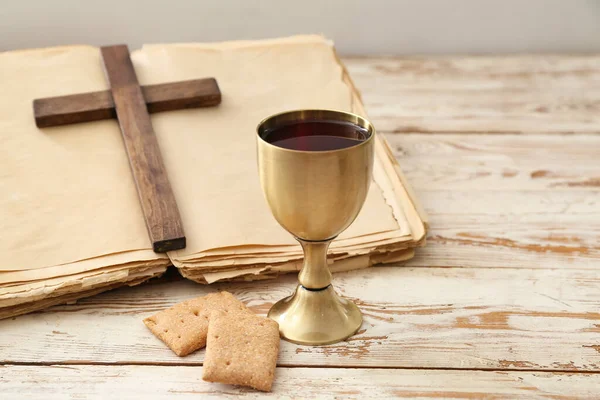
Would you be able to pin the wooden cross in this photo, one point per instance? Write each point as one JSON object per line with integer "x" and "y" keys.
{"x": 131, "y": 105}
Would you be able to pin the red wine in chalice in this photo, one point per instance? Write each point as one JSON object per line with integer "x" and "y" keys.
{"x": 321, "y": 135}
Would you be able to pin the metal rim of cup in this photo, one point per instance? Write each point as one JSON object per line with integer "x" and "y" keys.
{"x": 315, "y": 114}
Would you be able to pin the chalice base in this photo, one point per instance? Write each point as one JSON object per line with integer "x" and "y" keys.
{"x": 316, "y": 317}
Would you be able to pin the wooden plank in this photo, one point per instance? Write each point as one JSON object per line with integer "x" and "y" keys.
{"x": 506, "y": 248}
{"x": 95, "y": 106}
{"x": 154, "y": 190}
{"x": 479, "y": 318}
{"x": 157, "y": 382}
{"x": 512, "y": 229}
{"x": 481, "y": 94}
{"x": 491, "y": 163}
{"x": 511, "y": 241}
{"x": 505, "y": 200}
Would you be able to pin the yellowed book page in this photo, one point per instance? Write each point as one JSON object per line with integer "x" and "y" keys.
{"x": 67, "y": 192}
{"x": 88, "y": 264}
{"x": 38, "y": 290}
{"x": 129, "y": 280}
{"x": 347, "y": 264}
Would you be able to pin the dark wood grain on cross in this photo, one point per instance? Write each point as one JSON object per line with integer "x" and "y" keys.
{"x": 131, "y": 104}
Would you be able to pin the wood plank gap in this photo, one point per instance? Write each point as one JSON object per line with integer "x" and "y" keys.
{"x": 199, "y": 364}
{"x": 406, "y": 264}
{"x": 418, "y": 131}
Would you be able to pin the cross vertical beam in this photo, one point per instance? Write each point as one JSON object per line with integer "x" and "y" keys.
{"x": 154, "y": 190}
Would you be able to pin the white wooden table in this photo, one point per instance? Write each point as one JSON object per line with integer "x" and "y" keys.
{"x": 504, "y": 302}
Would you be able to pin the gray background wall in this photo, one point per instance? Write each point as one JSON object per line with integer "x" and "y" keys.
{"x": 357, "y": 26}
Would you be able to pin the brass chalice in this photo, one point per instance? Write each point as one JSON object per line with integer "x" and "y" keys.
{"x": 315, "y": 168}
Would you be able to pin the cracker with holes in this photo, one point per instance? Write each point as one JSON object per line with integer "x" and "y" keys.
{"x": 184, "y": 326}
{"x": 242, "y": 350}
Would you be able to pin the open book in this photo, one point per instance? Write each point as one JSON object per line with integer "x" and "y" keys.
{"x": 72, "y": 225}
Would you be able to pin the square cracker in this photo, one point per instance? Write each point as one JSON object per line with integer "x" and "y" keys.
{"x": 184, "y": 326}
{"x": 241, "y": 349}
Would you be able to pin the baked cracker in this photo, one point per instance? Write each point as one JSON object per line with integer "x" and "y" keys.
{"x": 242, "y": 350}
{"x": 184, "y": 326}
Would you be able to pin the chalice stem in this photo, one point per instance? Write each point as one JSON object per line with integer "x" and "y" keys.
{"x": 315, "y": 274}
